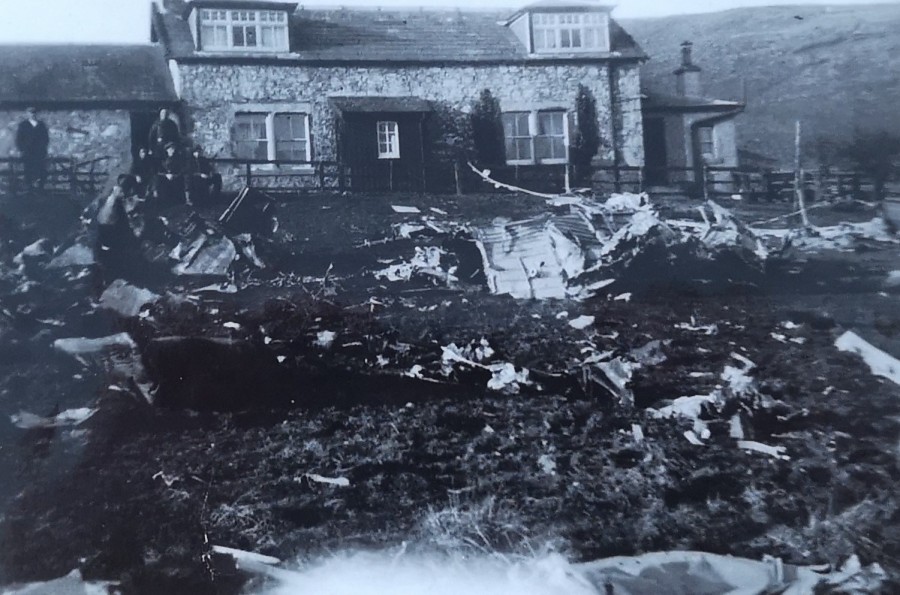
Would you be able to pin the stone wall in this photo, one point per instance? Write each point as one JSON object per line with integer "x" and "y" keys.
{"x": 214, "y": 92}
{"x": 724, "y": 137}
{"x": 80, "y": 134}
{"x": 630, "y": 116}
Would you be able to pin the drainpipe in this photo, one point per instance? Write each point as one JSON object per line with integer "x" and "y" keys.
{"x": 696, "y": 157}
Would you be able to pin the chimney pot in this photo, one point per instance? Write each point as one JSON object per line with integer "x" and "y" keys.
{"x": 687, "y": 77}
{"x": 686, "y": 50}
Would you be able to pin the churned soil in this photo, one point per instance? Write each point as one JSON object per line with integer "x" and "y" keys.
{"x": 253, "y": 418}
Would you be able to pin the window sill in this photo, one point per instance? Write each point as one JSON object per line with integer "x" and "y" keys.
{"x": 275, "y": 169}
{"x": 564, "y": 52}
{"x": 245, "y": 53}
{"x": 543, "y": 162}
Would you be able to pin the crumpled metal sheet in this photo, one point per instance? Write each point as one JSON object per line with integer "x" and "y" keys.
{"x": 207, "y": 256}
{"x": 694, "y": 573}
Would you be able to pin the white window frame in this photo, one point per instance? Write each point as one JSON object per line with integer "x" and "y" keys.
{"x": 709, "y": 142}
{"x": 264, "y": 23}
{"x": 533, "y": 130}
{"x": 565, "y": 137}
{"x": 565, "y": 32}
{"x": 271, "y": 140}
{"x": 388, "y": 139}
{"x": 268, "y": 132}
{"x": 273, "y": 144}
{"x": 519, "y": 137}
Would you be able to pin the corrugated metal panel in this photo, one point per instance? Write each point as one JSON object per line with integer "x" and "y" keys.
{"x": 535, "y": 258}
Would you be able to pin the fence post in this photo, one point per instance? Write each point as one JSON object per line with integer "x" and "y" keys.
{"x": 818, "y": 185}
{"x": 320, "y": 168}
{"x": 73, "y": 176}
{"x": 249, "y": 175}
{"x": 705, "y": 181}
{"x": 12, "y": 176}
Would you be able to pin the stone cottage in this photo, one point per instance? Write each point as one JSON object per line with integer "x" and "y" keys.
{"x": 686, "y": 130}
{"x": 378, "y": 91}
{"x": 97, "y": 101}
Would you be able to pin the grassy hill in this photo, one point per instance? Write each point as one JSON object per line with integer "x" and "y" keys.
{"x": 836, "y": 68}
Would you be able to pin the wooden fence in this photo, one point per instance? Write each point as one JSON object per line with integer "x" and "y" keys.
{"x": 283, "y": 176}
{"x": 719, "y": 182}
{"x": 67, "y": 175}
{"x": 63, "y": 175}
{"x": 709, "y": 182}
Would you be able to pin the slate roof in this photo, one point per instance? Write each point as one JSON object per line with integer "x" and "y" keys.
{"x": 98, "y": 75}
{"x": 567, "y": 4}
{"x": 560, "y": 6}
{"x": 663, "y": 102}
{"x": 256, "y": 4}
{"x": 393, "y": 36}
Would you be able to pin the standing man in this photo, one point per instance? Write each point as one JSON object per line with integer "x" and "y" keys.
{"x": 163, "y": 132}
{"x": 32, "y": 140}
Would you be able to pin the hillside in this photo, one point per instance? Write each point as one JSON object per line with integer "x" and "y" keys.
{"x": 834, "y": 67}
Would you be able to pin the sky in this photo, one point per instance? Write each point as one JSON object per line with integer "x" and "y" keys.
{"x": 127, "y": 21}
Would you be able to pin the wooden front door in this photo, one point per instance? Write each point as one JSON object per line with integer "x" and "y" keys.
{"x": 383, "y": 151}
{"x": 655, "y": 158}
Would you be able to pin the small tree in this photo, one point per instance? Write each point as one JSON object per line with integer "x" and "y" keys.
{"x": 452, "y": 142}
{"x": 487, "y": 130}
{"x": 876, "y": 154}
{"x": 587, "y": 136}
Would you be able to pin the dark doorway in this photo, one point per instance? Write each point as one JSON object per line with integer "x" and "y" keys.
{"x": 140, "y": 129}
{"x": 384, "y": 151}
{"x": 656, "y": 159}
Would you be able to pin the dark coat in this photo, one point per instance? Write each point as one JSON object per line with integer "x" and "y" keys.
{"x": 143, "y": 168}
{"x": 163, "y": 132}
{"x": 199, "y": 165}
{"x": 32, "y": 141}
{"x": 173, "y": 165}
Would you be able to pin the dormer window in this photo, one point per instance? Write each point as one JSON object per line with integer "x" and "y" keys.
{"x": 243, "y": 30}
{"x": 570, "y": 32}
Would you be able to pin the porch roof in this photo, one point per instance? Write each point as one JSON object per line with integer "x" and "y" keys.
{"x": 381, "y": 104}
{"x": 665, "y": 103}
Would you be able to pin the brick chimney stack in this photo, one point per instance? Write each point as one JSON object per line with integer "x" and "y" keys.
{"x": 687, "y": 77}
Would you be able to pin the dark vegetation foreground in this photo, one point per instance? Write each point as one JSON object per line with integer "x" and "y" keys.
{"x": 256, "y": 403}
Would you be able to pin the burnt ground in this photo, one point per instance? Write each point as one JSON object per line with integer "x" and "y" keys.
{"x": 244, "y": 413}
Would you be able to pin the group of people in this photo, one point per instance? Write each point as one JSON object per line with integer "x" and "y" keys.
{"x": 167, "y": 172}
